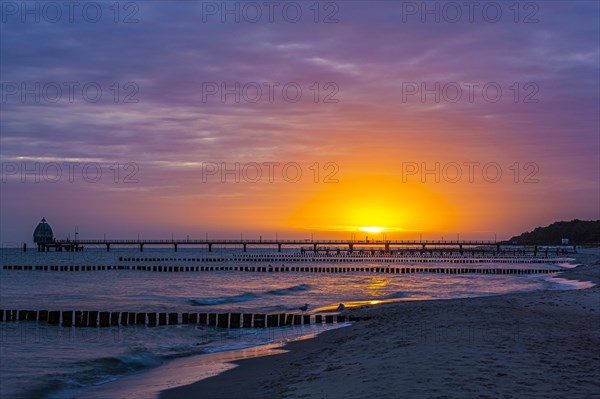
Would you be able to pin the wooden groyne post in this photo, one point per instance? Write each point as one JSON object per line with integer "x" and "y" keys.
{"x": 103, "y": 319}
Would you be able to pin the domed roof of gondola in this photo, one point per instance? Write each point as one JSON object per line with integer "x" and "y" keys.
{"x": 43, "y": 232}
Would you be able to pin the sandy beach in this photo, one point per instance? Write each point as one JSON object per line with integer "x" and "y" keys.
{"x": 543, "y": 344}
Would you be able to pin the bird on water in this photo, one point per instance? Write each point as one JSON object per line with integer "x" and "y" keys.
{"x": 340, "y": 308}
{"x": 304, "y": 308}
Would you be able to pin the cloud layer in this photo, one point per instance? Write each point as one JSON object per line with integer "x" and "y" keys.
{"x": 181, "y": 87}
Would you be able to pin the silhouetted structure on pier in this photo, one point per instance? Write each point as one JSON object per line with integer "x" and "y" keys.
{"x": 43, "y": 236}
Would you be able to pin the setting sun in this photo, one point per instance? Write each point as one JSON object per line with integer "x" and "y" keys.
{"x": 373, "y": 229}
{"x": 374, "y": 204}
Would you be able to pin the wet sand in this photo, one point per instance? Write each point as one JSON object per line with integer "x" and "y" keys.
{"x": 534, "y": 344}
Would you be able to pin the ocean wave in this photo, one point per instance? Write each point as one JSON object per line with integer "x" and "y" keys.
{"x": 132, "y": 361}
{"x": 220, "y": 300}
{"x": 115, "y": 365}
{"x": 289, "y": 290}
{"x": 92, "y": 372}
{"x": 397, "y": 295}
{"x": 247, "y": 296}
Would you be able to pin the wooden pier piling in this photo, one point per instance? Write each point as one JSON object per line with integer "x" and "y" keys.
{"x": 212, "y": 319}
{"x": 92, "y": 318}
{"x": 273, "y": 320}
{"x": 203, "y": 319}
{"x": 43, "y": 315}
{"x": 223, "y": 320}
{"x": 259, "y": 321}
{"x": 79, "y": 322}
{"x": 104, "y": 319}
{"x": 67, "y": 318}
{"x": 235, "y": 320}
{"x": 54, "y": 317}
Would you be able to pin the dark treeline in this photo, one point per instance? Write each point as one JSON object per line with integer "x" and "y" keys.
{"x": 579, "y": 232}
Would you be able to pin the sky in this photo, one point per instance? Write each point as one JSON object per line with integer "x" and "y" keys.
{"x": 226, "y": 119}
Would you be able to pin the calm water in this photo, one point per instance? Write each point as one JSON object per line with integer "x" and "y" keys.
{"x": 41, "y": 361}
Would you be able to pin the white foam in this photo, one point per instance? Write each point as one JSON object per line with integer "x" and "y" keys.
{"x": 567, "y": 284}
{"x": 183, "y": 371}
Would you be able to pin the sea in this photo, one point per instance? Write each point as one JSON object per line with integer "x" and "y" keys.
{"x": 41, "y": 361}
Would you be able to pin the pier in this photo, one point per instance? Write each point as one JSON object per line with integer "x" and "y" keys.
{"x": 350, "y": 246}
